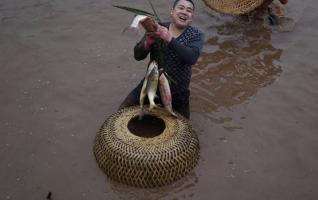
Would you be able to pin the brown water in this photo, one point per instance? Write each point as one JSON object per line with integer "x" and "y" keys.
{"x": 65, "y": 66}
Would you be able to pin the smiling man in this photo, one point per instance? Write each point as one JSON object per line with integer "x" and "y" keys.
{"x": 176, "y": 46}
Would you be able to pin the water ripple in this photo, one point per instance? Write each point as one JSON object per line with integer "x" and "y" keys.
{"x": 244, "y": 60}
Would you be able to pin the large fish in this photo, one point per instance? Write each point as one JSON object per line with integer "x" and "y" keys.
{"x": 144, "y": 92}
{"x": 152, "y": 85}
{"x": 165, "y": 94}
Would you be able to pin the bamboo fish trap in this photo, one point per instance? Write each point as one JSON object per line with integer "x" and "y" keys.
{"x": 146, "y": 162}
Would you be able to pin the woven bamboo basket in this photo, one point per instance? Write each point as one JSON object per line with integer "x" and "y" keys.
{"x": 234, "y": 7}
{"x": 146, "y": 162}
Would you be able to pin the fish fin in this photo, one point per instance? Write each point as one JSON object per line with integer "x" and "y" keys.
{"x": 173, "y": 114}
{"x": 141, "y": 115}
{"x": 152, "y": 106}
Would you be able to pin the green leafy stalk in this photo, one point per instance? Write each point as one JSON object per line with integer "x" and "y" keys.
{"x": 160, "y": 58}
{"x": 160, "y": 55}
{"x": 154, "y": 11}
{"x": 162, "y": 71}
{"x": 135, "y": 10}
{"x": 169, "y": 78}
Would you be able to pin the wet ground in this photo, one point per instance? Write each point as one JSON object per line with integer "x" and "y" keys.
{"x": 66, "y": 65}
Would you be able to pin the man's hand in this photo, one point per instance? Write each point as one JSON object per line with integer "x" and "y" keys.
{"x": 150, "y": 39}
{"x": 162, "y": 32}
{"x": 149, "y": 24}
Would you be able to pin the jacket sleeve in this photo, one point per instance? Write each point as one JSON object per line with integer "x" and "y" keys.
{"x": 188, "y": 54}
{"x": 140, "y": 52}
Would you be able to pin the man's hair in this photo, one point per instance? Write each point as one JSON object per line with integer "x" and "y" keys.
{"x": 176, "y": 1}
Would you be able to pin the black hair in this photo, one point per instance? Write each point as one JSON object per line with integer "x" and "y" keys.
{"x": 176, "y": 1}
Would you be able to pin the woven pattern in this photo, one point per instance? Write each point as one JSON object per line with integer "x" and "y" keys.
{"x": 146, "y": 162}
{"x": 234, "y": 7}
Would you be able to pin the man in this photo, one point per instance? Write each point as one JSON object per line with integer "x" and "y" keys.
{"x": 176, "y": 46}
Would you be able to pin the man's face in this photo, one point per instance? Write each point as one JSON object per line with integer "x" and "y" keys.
{"x": 182, "y": 14}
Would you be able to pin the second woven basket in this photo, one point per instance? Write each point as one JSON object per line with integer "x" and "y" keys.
{"x": 234, "y": 7}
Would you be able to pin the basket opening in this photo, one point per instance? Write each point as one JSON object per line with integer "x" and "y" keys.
{"x": 149, "y": 126}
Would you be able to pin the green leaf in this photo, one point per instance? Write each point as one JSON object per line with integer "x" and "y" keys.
{"x": 135, "y": 10}
{"x": 169, "y": 78}
{"x": 154, "y": 11}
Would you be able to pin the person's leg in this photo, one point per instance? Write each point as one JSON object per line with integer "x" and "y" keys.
{"x": 180, "y": 104}
{"x": 258, "y": 15}
{"x": 183, "y": 109}
{"x": 265, "y": 5}
{"x": 132, "y": 98}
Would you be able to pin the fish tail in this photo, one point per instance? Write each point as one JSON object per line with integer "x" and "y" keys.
{"x": 152, "y": 106}
{"x": 173, "y": 114}
{"x": 141, "y": 115}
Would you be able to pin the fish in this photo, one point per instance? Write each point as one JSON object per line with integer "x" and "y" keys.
{"x": 149, "y": 24}
{"x": 152, "y": 86}
{"x": 143, "y": 92}
{"x": 165, "y": 94}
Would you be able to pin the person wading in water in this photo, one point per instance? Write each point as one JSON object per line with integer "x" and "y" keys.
{"x": 180, "y": 49}
{"x": 264, "y": 10}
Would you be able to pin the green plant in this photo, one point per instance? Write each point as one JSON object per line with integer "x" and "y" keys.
{"x": 137, "y": 11}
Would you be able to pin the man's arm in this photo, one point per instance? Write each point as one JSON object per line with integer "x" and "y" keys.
{"x": 143, "y": 47}
{"x": 140, "y": 52}
{"x": 187, "y": 54}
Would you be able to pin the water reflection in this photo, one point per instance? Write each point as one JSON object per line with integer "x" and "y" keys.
{"x": 182, "y": 189}
{"x": 238, "y": 61}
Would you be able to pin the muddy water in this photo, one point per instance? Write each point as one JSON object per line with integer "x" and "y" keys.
{"x": 66, "y": 65}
